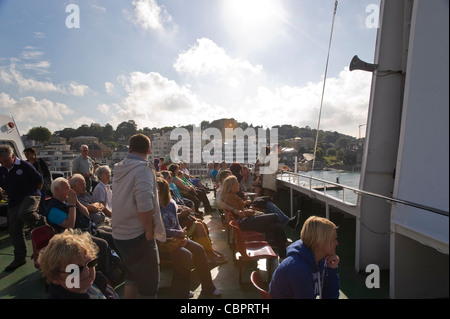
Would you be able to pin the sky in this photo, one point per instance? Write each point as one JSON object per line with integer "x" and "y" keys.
{"x": 65, "y": 63}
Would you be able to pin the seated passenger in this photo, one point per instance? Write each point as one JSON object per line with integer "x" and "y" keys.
{"x": 220, "y": 204}
{"x": 95, "y": 209}
{"x": 175, "y": 193}
{"x": 310, "y": 268}
{"x": 197, "y": 230}
{"x": 64, "y": 211}
{"x": 250, "y": 219}
{"x": 187, "y": 256}
{"x": 190, "y": 191}
{"x": 269, "y": 206}
{"x": 214, "y": 173}
{"x": 73, "y": 249}
{"x": 102, "y": 192}
{"x": 246, "y": 181}
{"x": 192, "y": 179}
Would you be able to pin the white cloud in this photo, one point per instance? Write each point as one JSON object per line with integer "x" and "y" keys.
{"x": 154, "y": 100}
{"x": 30, "y": 110}
{"x": 217, "y": 77}
{"x": 150, "y": 16}
{"x": 207, "y": 58}
{"x": 109, "y": 87}
{"x": 30, "y": 53}
{"x": 76, "y": 89}
{"x": 39, "y": 35}
{"x": 103, "y": 108}
{"x": 40, "y": 67}
{"x": 236, "y": 88}
{"x": 345, "y": 105}
{"x": 15, "y": 77}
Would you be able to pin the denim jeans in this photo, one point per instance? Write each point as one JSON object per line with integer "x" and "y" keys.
{"x": 271, "y": 208}
{"x": 269, "y": 224}
{"x": 141, "y": 260}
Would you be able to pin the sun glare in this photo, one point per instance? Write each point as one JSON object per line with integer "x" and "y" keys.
{"x": 253, "y": 23}
{"x": 253, "y": 13}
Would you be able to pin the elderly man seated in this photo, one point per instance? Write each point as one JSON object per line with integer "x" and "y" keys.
{"x": 96, "y": 210}
{"x": 78, "y": 184}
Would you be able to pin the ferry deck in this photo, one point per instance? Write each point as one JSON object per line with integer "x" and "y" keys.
{"x": 26, "y": 282}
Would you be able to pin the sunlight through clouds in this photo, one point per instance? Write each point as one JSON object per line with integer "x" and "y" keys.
{"x": 165, "y": 62}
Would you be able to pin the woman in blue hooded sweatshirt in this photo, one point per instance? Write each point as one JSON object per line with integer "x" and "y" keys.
{"x": 310, "y": 268}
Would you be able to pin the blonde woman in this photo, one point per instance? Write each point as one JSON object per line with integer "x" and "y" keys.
{"x": 310, "y": 269}
{"x": 249, "y": 219}
{"x": 72, "y": 256}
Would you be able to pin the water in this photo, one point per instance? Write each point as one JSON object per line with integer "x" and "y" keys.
{"x": 346, "y": 178}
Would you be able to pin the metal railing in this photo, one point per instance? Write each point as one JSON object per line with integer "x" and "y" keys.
{"x": 295, "y": 179}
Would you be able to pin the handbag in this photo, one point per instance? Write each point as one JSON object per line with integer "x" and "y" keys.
{"x": 170, "y": 244}
{"x": 261, "y": 202}
{"x": 251, "y": 212}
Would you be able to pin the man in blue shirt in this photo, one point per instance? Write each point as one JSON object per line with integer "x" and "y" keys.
{"x": 22, "y": 183}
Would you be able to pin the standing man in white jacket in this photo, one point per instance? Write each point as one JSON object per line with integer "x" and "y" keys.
{"x": 136, "y": 221}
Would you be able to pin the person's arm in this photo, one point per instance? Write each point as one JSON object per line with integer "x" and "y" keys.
{"x": 33, "y": 175}
{"x": 62, "y": 219}
{"x": 147, "y": 221}
{"x": 181, "y": 185}
{"x": 69, "y": 222}
{"x": 331, "y": 279}
{"x": 82, "y": 209}
{"x": 146, "y": 200}
{"x": 99, "y": 196}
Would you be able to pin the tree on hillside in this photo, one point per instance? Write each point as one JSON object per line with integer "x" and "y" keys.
{"x": 40, "y": 134}
{"x": 126, "y": 129}
{"x": 66, "y": 133}
{"x": 107, "y": 133}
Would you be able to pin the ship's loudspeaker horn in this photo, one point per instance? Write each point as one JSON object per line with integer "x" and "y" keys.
{"x": 357, "y": 64}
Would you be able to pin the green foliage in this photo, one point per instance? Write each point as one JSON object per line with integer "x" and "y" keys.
{"x": 40, "y": 134}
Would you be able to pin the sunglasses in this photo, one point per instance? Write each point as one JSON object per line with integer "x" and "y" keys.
{"x": 91, "y": 264}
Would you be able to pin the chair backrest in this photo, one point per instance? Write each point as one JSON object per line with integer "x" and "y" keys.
{"x": 39, "y": 239}
{"x": 257, "y": 282}
{"x": 237, "y": 234}
{"x": 228, "y": 215}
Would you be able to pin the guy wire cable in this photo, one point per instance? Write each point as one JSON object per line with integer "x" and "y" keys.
{"x": 324, "y": 82}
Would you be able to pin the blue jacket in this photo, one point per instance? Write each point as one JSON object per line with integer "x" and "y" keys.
{"x": 19, "y": 182}
{"x": 300, "y": 277}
